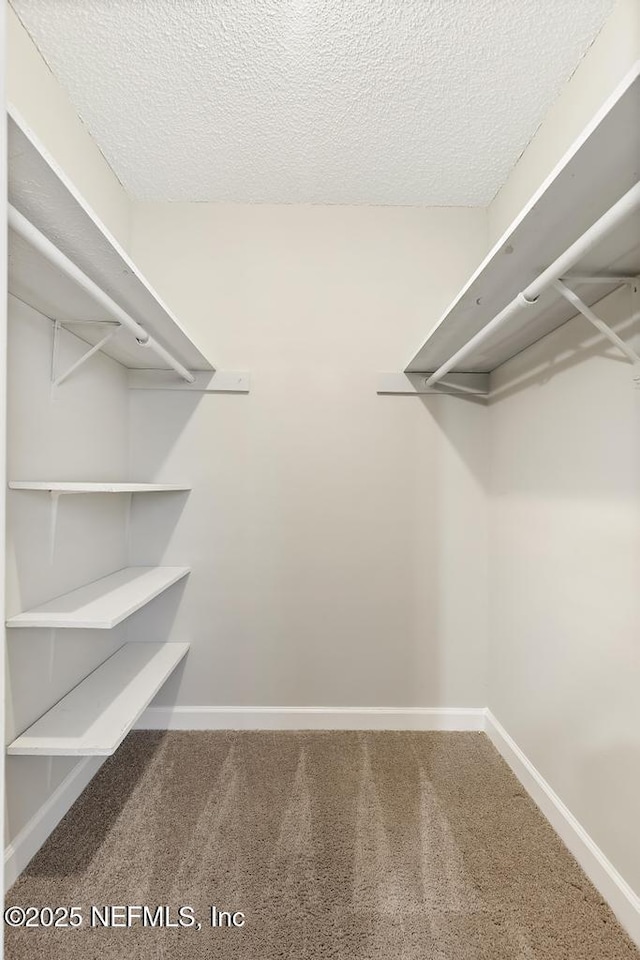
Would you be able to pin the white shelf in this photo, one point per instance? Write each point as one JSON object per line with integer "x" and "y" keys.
{"x": 601, "y": 166}
{"x": 39, "y": 190}
{"x": 104, "y": 603}
{"x": 51, "y": 486}
{"x": 94, "y": 718}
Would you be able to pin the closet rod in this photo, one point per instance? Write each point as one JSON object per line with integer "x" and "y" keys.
{"x": 33, "y": 236}
{"x": 627, "y": 204}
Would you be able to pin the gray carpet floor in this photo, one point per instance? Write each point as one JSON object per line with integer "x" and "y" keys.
{"x": 341, "y": 845}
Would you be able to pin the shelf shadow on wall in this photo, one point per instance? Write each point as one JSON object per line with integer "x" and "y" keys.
{"x": 463, "y": 423}
{"x": 534, "y": 367}
{"x": 311, "y": 570}
{"x": 91, "y": 823}
{"x": 154, "y": 518}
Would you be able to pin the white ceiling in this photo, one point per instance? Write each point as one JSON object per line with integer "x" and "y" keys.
{"x": 424, "y": 102}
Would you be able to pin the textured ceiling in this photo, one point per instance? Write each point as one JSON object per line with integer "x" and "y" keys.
{"x": 425, "y": 102}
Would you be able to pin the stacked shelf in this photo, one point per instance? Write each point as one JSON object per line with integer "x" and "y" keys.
{"x": 94, "y": 718}
{"x": 103, "y": 604}
{"x": 66, "y": 265}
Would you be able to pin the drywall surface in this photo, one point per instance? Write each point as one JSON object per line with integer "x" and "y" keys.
{"x": 76, "y": 431}
{"x": 3, "y": 408}
{"x": 611, "y": 56}
{"x": 371, "y": 101}
{"x": 34, "y": 91}
{"x": 564, "y": 662}
{"x": 336, "y": 538}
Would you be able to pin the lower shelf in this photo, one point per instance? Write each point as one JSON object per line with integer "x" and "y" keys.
{"x": 94, "y": 718}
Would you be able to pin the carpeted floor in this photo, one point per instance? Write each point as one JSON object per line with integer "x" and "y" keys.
{"x": 335, "y": 846}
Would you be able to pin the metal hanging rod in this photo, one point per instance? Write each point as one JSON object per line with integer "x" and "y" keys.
{"x": 627, "y": 204}
{"x": 33, "y": 236}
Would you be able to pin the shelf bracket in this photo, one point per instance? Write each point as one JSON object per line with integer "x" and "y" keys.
{"x": 127, "y": 526}
{"x": 415, "y": 384}
{"x": 57, "y": 379}
{"x": 53, "y": 524}
{"x": 599, "y": 324}
{"x": 203, "y": 381}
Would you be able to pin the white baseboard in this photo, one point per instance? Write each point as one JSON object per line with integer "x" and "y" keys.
{"x": 312, "y": 718}
{"x": 34, "y": 833}
{"x": 603, "y": 875}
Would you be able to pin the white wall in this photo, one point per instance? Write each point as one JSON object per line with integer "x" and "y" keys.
{"x": 3, "y": 391}
{"x": 76, "y": 431}
{"x": 43, "y": 104}
{"x": 565, "y": 522}
{"x": 337, "y": 538}
{"x": 564, "y": 666}
{"x": 564, "y": 662}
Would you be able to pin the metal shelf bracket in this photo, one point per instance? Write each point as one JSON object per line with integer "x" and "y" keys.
{"x": 417, "y": 384}
{"x": 598, "y": 323}
{"x": 58, "y": 378}
{"x": 53, "y": 525}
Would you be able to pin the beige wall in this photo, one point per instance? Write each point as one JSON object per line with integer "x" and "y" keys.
{"x": 3, "y": 424}
{"x": 337, "y": 538}
{"x": 564, "y": 621}
{"x": 43, "y": 104}
{"x": 564, "y": 662}
{"x": 610, "y": 57}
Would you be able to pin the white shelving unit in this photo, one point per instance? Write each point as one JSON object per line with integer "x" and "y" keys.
{"x": 599, "y": 170}
{"x": 65, "y": 264}
{"x": 42, "y": 193}
{"x": 94, "y": 718}
{"x": 65, "y": 487}
{"x": 103, "y": 604}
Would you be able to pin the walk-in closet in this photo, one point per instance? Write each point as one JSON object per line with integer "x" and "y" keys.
{"x": 321, "y": 457}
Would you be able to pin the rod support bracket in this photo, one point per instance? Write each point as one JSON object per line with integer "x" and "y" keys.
{"x": 525, "y": 300}
{"x": 600, "y": 325}
{"x": 58, "y": 378}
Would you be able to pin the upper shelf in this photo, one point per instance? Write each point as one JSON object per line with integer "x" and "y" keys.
{"x": 601, "y": 166}
{"x": 40, "y": 191}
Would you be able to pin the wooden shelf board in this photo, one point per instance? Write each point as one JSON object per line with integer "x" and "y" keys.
{"x": 94, "y": 718}
{"x": 104, "y": 603}
{"x": 600, "y": 167}
{"x": 56, "y": 486}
